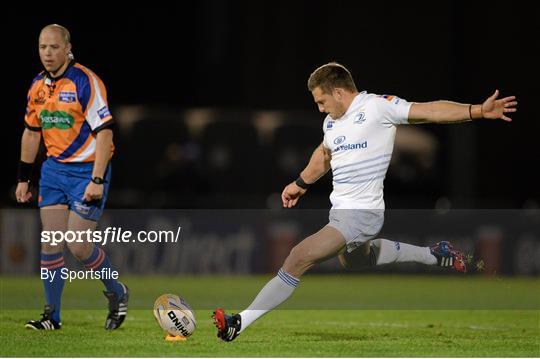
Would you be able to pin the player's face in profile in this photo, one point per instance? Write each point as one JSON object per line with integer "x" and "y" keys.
{"x": 53, "y": 51}
{"x": 327, "y": 103}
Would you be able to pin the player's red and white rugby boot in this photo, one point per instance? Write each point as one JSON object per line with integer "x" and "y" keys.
{"x": 228, "y": 325}
{"x": 447, "y": 256}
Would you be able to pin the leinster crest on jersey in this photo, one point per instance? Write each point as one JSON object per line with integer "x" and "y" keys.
{"x": 360, "y": 118}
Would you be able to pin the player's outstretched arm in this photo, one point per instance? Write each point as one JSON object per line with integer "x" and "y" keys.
{"x": 29, "y": 149}
{"x": 451, "y": 112}
{"x": 318, "y": 165}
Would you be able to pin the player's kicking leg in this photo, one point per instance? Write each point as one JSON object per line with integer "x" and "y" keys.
{"x": 95, "y": 258}
{"x": 53, "y": 218}
{"x": 383, "y": 251}
{"x": 442, "y": 254}
{"x": 325, "y": 244}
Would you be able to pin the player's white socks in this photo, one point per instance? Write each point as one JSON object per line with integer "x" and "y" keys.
{"x": 391, "y": 252}
{"x": 275, "y": 292}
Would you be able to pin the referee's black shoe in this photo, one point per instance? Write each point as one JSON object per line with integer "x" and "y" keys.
{"x": 118, "y": 306}
{"x": 46, "y": 322}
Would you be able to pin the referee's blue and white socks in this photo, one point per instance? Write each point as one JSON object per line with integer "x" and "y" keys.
{"x": 275, "y": 292}
{"x": 99, "y": 260}
{"x": 385, "y": 252}
{"x": 53, "y": 283}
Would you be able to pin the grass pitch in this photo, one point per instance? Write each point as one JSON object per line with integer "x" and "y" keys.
{"x": 328, "y": 316}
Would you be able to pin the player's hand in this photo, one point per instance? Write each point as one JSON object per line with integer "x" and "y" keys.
{"x": 291, "y": 194}
{"x": 495, "y": 109}
{"x": 21, "y": 193}
{"x": 93, "y": 192}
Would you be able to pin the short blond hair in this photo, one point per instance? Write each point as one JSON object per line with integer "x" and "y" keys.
{"x": 331, "y": 76}
{"x": 63, "y": 31}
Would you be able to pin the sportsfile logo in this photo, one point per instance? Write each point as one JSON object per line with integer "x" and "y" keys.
{"x": 351, "y": 146}
{"x": 110, "y": 235}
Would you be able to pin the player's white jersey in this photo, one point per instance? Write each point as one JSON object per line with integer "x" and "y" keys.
{"x": 361, "y": 143}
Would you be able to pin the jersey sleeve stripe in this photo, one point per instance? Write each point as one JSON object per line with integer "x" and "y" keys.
{"x": 97, "y": 103}
{"x": 92, "y": 90}
{"x": 83, "y": 84}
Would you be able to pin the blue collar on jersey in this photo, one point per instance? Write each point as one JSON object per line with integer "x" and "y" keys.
{"x": 49, "y": 79}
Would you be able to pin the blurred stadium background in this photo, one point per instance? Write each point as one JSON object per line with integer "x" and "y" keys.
{"x": 213, "y": 112}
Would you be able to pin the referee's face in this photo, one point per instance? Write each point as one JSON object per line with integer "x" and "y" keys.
{"x": 327, "y": 103}
{"x": 53, "y": 51}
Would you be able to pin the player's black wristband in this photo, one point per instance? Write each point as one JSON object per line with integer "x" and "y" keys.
{"x": 98, "y": 180}
{"x": 300, "y": 183}
{"x": 24, "y": 171}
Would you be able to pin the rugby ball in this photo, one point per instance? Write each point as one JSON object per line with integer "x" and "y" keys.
{"x": 174, "y": 315}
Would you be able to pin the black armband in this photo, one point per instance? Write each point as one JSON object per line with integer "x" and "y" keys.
{"x": 300, "y": 183}
{"x": 111, "y": 124}
{"x": 32, "y": 128}
{"x": 24, "y": 171}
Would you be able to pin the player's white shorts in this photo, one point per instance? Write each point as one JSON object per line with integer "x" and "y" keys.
{"x": 357, "y": 225}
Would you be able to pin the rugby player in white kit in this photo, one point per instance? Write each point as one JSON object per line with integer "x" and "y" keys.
{"x": 359, "y": 132}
